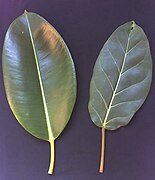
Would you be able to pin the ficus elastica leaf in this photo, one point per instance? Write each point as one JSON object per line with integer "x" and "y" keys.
{"x": 39, "y": 77}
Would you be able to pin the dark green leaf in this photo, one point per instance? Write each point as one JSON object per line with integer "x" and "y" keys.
{"x": 39, "y": 77}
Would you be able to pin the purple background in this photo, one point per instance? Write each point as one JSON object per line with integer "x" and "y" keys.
{"x": 85, "y": 25}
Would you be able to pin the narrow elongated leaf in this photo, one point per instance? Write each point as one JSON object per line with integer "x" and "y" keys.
{"x": 121, "y": 78}
{"x": 39, "y": 77}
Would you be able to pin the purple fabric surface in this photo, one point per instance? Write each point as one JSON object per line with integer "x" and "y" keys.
{"x": 85, "y": 25}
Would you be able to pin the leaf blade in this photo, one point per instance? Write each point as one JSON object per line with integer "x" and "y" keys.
{"x": 46, "y": 55}
{"x": 121, "y": 58}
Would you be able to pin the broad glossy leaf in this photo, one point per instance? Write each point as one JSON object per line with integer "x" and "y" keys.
{"x": 121, "y": 78}
{"x": 39, "y": 77}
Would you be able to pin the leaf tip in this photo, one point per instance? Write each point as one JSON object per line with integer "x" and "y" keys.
{"x": 132, "y": 24}
{"x": 25, "y": 11}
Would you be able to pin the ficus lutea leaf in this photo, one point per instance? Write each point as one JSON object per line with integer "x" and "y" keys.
{"x": 121, "y": 79}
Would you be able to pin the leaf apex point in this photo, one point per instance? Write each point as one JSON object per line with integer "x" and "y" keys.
{"x": 133, "y": 22}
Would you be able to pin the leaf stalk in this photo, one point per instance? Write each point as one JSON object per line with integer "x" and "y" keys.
{"x": 51, "y": 167}
{"x": 101, "y": 170}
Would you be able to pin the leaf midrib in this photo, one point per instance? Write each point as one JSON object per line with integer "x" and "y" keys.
{"x": 51, "y": 137}
{"x": 117, "y": 84}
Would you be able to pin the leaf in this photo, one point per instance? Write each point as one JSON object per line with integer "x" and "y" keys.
{"x": 39, "y": 77}
{"x": 121, "y": 77}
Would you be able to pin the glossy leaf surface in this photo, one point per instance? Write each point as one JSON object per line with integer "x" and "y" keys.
{"x": 121, "y": 78}
{"x": 39, "y": 76}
